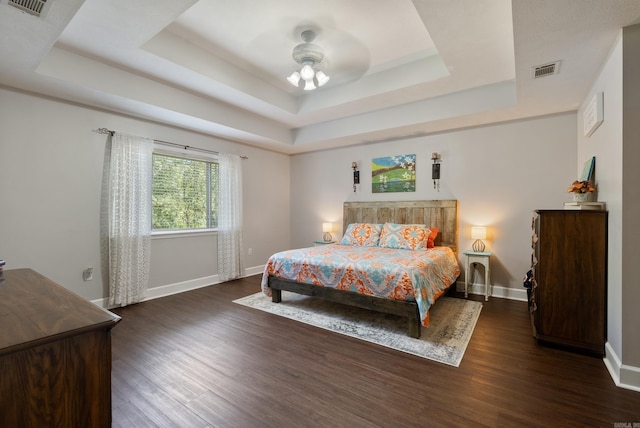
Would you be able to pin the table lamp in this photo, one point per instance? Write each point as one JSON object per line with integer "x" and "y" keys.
{"x": 478, "y": 233}
{"x": 327, "y": 228}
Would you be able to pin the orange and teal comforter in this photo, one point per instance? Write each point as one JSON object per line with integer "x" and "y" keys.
{"x": 413, "y": 275}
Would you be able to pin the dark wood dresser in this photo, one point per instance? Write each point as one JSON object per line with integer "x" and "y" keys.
{"x": 568, "y": 300}
{"x": 55, "y": 355}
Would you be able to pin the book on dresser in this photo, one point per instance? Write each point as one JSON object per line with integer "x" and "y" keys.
{"x": 585, "y": 206}
{"x": 569, "y": 292}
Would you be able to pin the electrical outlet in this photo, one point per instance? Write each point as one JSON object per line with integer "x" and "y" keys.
{"x": 250, "y": 251}
{"x": 87, "y": 274}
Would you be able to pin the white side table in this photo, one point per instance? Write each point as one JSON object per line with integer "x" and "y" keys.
{"x": 481, "y": 258}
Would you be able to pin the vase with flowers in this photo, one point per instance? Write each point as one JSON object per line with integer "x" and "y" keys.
{"x": 581, "y": 191}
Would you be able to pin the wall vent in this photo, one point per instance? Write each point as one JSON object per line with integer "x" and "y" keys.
{"x": 545, "y": 70}
{"x": 34, "y": 7}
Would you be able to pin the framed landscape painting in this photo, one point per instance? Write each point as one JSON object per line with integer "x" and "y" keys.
{"x": 393, "y": 174}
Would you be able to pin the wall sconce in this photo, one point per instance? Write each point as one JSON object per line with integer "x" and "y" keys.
{"x": 356, "y": 175}
{"x": 435, "y": 170}
{"x": 327, "y": 228}
{"x": 478, "y": 233}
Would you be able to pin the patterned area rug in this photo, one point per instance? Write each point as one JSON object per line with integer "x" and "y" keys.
{"x": 444, "y": 341}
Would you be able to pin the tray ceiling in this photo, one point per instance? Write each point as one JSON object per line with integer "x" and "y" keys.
{"x": 399, "y": 68}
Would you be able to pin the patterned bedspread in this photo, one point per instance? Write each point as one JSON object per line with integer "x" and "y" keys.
{"x": 414, "y": 275}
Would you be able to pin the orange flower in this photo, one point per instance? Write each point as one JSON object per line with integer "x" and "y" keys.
{"x": 581, "y": 187}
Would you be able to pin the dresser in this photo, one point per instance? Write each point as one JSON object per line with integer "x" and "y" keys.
{"x": 55, "y": 355}
{"x": 568, "y": 299}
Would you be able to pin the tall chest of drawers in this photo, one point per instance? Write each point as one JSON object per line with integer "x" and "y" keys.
{"x": 568, "y": 299}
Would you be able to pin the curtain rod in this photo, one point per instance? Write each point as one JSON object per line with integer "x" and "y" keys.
{"x": 166, "y": 143}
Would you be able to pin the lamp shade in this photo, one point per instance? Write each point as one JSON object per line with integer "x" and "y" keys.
{"x": 322, "y": 78}
{"x": 294, "y": 79}
{"x": 479, "y": 232}
{"x": 327, "y": 227}
{"x": 307, "y": 72}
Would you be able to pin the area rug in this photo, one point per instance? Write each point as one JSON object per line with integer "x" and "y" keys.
{"x": 444, "y": 341}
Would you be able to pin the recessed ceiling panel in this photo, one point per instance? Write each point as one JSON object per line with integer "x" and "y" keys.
{"x": 357, "y": 36}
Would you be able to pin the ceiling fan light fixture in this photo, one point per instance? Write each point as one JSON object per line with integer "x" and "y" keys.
{"x": 309, "y": 85}
{"x": 308, "y": 55}
{"x": 294, "y": 79}
{"x": 321, "y": 78}
{"x": 307, "y": 72}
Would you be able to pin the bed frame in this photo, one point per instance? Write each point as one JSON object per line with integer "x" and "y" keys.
{"x": 442, "y": 214}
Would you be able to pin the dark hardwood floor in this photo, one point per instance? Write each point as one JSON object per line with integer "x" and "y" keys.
{"x": 197, "y": 359}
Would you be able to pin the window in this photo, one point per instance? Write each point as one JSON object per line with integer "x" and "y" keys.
{"x": 185, "y": 193}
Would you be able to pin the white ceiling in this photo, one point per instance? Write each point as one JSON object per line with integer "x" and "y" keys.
{"x": 399, "y": 68}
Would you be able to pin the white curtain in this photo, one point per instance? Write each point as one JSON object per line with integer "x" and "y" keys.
{"x": 230, "y": 253}
{"x": 129, "y": 217}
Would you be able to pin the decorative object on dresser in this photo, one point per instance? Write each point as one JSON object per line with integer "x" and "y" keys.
{"x": 55, "y": 358}
{"x": 581, "y": 191}
{"x": 585, "y": 206}
{"x": 569, "y": 282}
{"x": 588, "y": 170}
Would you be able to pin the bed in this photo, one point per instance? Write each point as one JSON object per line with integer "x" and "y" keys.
{"x": 387, "y": 277}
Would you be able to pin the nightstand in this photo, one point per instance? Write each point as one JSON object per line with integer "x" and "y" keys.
{"x": 481, "y": 258}
{"x": 319, "y": 243}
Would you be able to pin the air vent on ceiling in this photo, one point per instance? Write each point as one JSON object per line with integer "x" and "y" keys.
{"x": 545, "y": 70}
{"x": 33, "y": 7}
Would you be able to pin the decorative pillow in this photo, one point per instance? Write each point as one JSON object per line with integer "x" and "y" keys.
{"x": 404, "y": 236}
{"x": 431, "y": 240}
{"x": 362, "y": 234}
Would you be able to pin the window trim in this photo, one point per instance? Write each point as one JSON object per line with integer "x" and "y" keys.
{"x": 181, "y": 233}
{"x": 184, "y": 153}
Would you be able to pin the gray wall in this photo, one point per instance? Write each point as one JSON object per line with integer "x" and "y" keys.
{"x": 631, "y": 206}
{"x": 50, "y": 190}
{"x": 499, "y": 174}
{"x": 615, "y": 146}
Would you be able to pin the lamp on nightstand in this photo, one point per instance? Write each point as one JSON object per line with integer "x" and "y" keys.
{"x": 478, "y": 233}
{"x": 327, "y": 228}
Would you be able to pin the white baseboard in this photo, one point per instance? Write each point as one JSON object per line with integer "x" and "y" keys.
{"x": 495, "y": 291}
{"x": 624, "y": 376}
{"x": 256, "y": 270}
{"x": 193, "y": 284}
{"x": 180, "y": 287}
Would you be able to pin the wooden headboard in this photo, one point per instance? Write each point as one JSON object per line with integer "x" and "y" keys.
{"x": 442, "y": 214}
